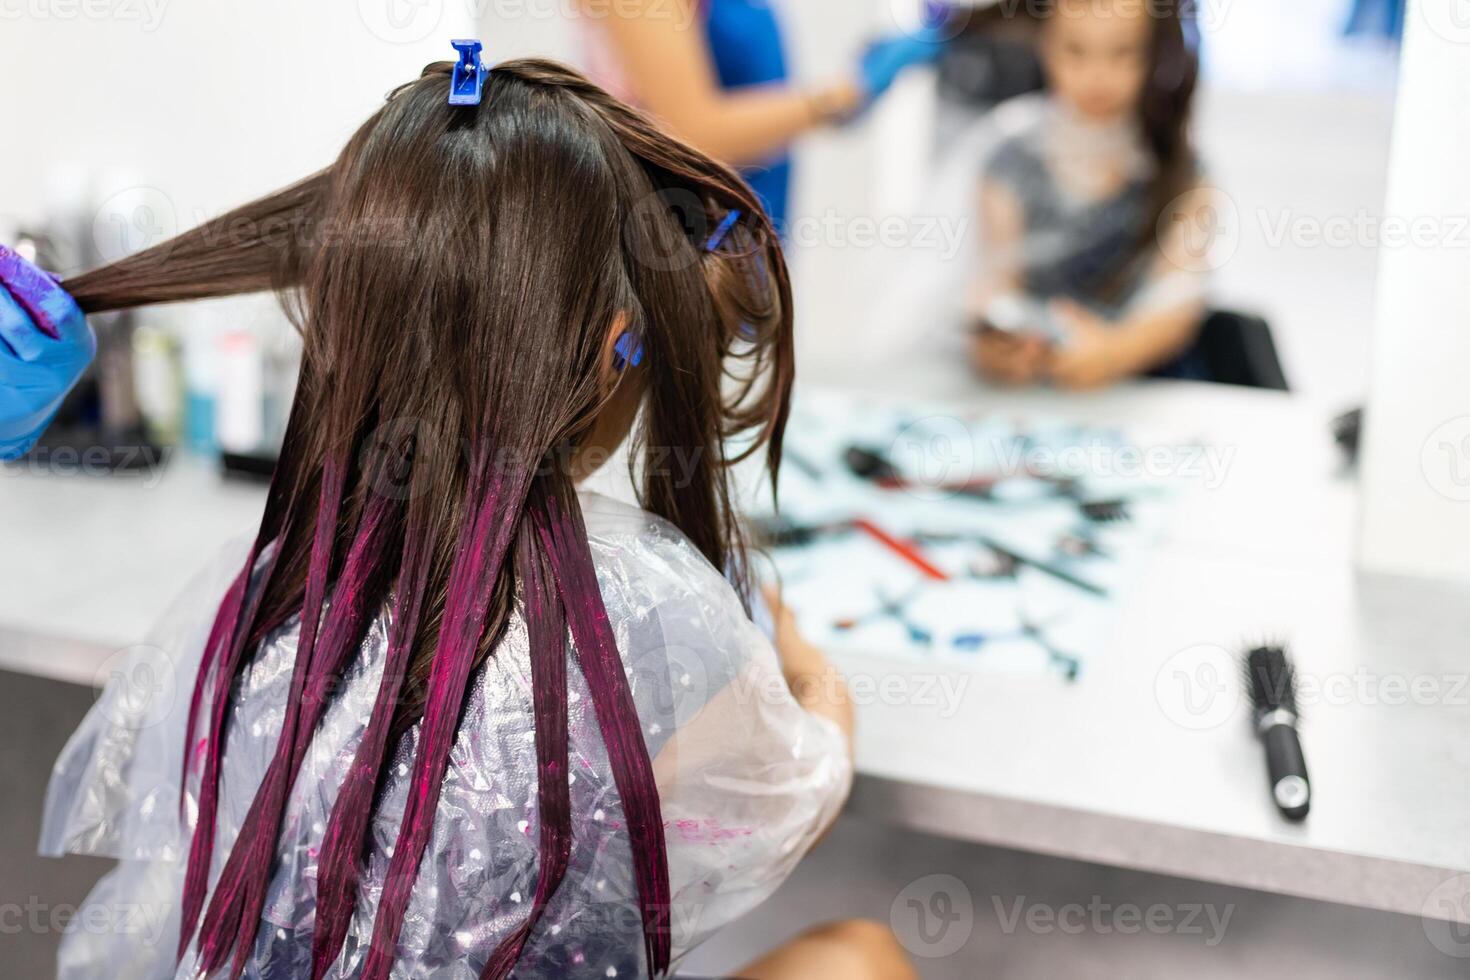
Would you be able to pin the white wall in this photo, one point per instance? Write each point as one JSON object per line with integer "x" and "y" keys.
{"x": 188, "y": 107}
{"x": 209, "y": 102}
{"x": 1416, "y": 463}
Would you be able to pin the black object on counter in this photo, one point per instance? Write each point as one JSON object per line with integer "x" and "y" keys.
{"x": 1271, "y": 680}
{"x": 249, "y": 467}
{"x": 1347, "y": 431}
{"x": 869, "y": 464}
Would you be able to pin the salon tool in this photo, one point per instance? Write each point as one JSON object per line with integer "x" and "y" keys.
{"x": 902, "y": 549}
{"x": 467, "y": 77}
{"x": 794, "y": 458}
{"x": 782, "y": 532}
{"x": 1081, "y": 544}
{"x": 1007, "y": 557}
{"x": 873, "y": 466}
{"x": 1105, "y": 511}
{"x": 895, "y": 609}
{"x": 1046, "y": 567}
{"x": 1067, "y": 663}
{"x": 1068, "y": 546}
{"x": 1271, "y": 680}
{"x": 991, "y": 566}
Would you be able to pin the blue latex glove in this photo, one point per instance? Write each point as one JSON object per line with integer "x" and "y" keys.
{"x": 45, "y": 345}
{"x": 885, "y": 60}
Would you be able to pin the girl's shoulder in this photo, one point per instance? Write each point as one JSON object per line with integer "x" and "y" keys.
{"x": 644, "y": 559}
{"x": 657, "y": 582}
{"x": 1018, "y": 129}
{"x": 611, "y": 522}
{"x": 609, "y": 517}
{"x": 1022, "y": 117}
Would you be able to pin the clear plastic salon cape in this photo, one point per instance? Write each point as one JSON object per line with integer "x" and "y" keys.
{"x": 747, "y": 781}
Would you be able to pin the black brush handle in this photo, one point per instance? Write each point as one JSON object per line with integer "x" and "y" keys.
{"x": 1287, "y": 766}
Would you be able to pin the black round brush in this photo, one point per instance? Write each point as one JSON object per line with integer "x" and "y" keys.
{"x": 1271, "y": 681}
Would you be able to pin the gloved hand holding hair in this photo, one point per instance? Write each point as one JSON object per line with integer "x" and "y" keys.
{"x": 45, "y": 346}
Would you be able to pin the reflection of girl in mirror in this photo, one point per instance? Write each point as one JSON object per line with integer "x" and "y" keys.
{"x": 1091, "y": 206}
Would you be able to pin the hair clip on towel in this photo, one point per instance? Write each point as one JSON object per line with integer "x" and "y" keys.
{"x": 467, "y": 77}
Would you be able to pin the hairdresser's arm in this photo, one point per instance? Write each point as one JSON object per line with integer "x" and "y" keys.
{"x": 1001, "y": 357}
{"x": 666, "y": 58}
{"x": 815, "y": 684}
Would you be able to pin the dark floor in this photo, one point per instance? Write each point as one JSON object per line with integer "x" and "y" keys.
{"x": 968, "y": 912}
{"x": 999, "y": 914}
{"x": 37, "y": 895}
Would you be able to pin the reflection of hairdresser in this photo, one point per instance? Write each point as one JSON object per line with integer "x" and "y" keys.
{"x": 45, "y": 345}
{"x": 715, "y": 72}
{"x": 1088, "y": 205}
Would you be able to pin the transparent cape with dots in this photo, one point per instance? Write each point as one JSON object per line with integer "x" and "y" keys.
{"x": 747, "y": 780}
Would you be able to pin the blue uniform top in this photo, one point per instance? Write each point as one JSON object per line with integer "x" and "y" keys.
{"x": 745, "y": 43}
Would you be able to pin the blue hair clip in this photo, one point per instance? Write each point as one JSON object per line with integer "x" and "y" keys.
{"x": 467, "y": 78}
{"x": 627, "y": 351}
{"x": 718, "y": 238}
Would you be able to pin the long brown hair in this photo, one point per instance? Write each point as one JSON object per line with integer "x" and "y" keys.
{"x": 1165, "y": 108}
{"x": 455, "y": 274}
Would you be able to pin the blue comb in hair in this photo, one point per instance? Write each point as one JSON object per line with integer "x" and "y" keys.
{"x": 627, "y": 351}
{"x": 467, "y": 78}
{"x": 722, "y": 231}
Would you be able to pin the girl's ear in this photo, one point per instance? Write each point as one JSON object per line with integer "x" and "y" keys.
{"x": 620, "y": 390}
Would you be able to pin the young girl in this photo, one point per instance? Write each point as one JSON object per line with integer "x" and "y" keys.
{"x": 1090, "y": 206}
{"x": 452, "y": 718}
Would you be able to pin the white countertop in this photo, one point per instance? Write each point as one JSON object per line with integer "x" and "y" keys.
{"x": 1138, "y": 765}
{"x": 1116, "y": 769}
{"x": 92, "y": 560}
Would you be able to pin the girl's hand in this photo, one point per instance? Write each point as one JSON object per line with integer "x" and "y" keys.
{"x": 1093, "y": 354}
{"x": 798, "y": 657}
{"x": 1008, "y": 359}
{"x": 815, "y": 684}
